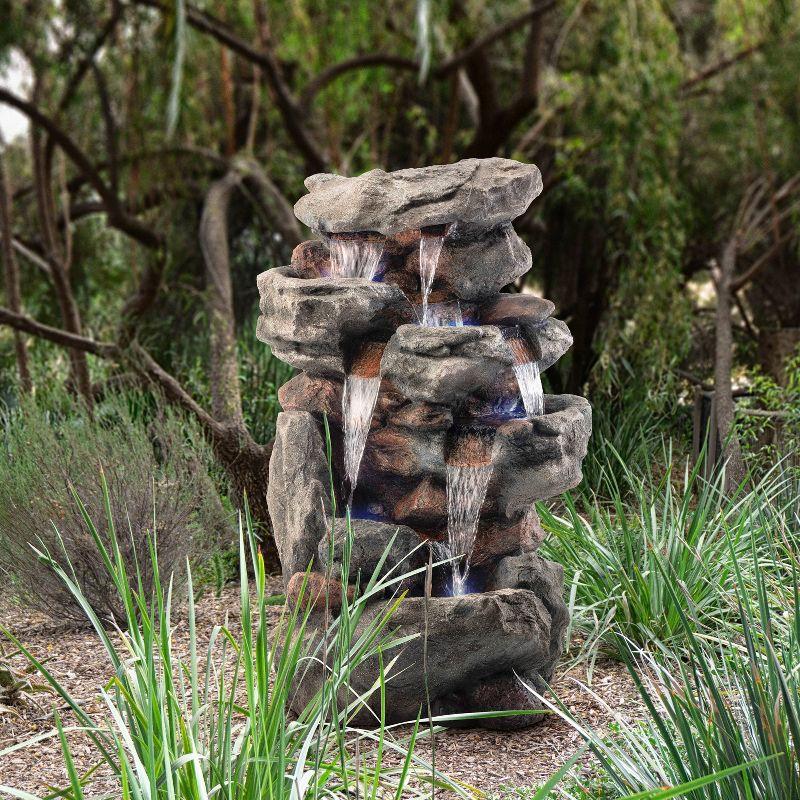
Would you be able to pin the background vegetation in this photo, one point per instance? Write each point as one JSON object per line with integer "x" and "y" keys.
{"x": 167, "y": 143}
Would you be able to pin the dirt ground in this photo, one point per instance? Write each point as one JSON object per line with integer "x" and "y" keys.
{"x": 495, "y": 762}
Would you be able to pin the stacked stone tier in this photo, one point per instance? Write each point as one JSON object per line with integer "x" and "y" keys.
{"x": 448, "y": 396}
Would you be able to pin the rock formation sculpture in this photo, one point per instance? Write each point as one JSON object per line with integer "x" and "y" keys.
{"x": 396, "y": 319}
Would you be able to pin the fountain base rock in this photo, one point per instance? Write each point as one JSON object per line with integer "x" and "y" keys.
{"x": 475, "y": 645}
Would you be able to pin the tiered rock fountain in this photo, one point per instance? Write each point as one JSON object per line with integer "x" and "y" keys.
{"x": 430, "y": 378}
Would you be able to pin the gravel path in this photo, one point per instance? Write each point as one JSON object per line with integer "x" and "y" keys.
{"x": 495, "y": 762}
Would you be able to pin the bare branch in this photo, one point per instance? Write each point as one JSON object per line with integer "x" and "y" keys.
{"x": 116, "y": 214}
{"x": 443, "y": 70}
{"x": 37, "y": 260}
{"x": 494, "y": 35}
{"x": 720, "y": 66}
{"x": 74, "y": 341}
{"x": 742, "y": 280}
{"x": 174, "y": 391}
{"x": 110, "y": 125}
{"x": 330, "y": 74}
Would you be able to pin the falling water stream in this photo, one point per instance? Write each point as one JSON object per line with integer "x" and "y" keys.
{"x": 466, "y": 491}
{"x": 355, "y": 258}
{"x": 358, "y": 402}
{"x": 528, "y": 378}
{"x": 430, "y": 248}
{"x": 444, "y": 315}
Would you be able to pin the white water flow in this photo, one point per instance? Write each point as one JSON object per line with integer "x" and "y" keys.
{"x": 430, "y": 248}
{"x": 354, "y": 258}
{"x": 445, "y": 315}
{"x": 529, "y": 379}
{"x": 358, "y": 402}
{"x": 466, "y": 491}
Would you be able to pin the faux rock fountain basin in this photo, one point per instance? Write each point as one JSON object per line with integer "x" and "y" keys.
{"x": 406, "y": 342}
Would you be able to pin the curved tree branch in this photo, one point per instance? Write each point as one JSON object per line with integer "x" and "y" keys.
{"x": 74, "y": 341}
{"x": 271, "y": 200}
{"x": 114, "y": 210}
{"x": 177, "y": 151}
{"x": 330, "y": 74}
{"x": 441, "y": 71}
{"x": 293, "y": 115}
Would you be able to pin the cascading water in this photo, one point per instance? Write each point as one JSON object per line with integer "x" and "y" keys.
{"x": 430, "y": 248}
{"x": 444, "y": 315}
{"x": 528, "y": 378}
{"x": 355, "y": 258}
{"x": 466, "y": 491}
{"x": 358, "y": 402}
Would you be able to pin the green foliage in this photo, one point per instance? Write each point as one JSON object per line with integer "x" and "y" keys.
{"x": 156, "y": 464}
{"x": 213, "y": 722}
{"x": 261, "y": 376}
{"x": 663, "y": 549}
{"x": 619, "y": 163}
{"x": 631, "y": 420}
{"x": 719, "y": 706}
{"x": 769, "y": 438}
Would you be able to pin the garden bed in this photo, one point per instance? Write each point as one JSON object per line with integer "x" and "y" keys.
{"x": 495, "y": 762}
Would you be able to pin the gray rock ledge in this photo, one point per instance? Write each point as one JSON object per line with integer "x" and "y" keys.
{"x": 484, "y": 192}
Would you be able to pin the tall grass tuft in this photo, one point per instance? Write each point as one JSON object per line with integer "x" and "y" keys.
{"x": 723, "y": 705}
{"x": 211, "y": 720}
{"x": 661, "y": 551}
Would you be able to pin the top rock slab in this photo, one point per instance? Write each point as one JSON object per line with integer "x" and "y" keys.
{"x": 480, "y": 191}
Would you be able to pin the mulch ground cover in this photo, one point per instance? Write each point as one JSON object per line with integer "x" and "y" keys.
{"x": 496, "y": 762}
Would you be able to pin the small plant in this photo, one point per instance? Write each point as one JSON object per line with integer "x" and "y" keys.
{"x": 16, "y": 688}
{"x": 770, "y": 426}
{"x": 155, "y": 465}
{"x": 724, "y": 705}
{"x": 661, "y": 550}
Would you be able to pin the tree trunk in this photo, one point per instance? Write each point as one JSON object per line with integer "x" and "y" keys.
{"x": 59, "y": 268}
{"x": 247, "y": 466}
{"x": 11, "y": 276}
{"x": 226, "y": 397}
{"x": 723, "y": 366}
{"x": 246, "y": 462}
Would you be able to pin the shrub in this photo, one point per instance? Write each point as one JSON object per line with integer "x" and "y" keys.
{"x": 662, "y": 549}
{"x": 721, "y": 706}
{"x": 155, "y": 465}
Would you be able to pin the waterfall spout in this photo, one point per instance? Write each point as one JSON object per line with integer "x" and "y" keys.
{"x": 355, "y": 258}
{"x": 358, "y": 402}
{"x": 443, "y": 315}
{"x": 469, "y": 470}
{"x": 528, "y": 378}
{"x": 466, "y": 491}
{"x": 430, "y": 248}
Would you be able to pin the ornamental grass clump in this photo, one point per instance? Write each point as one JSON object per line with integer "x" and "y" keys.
{"x": 663, "y": 553}
{"x": 156, "y": 466}
{"x": 724, "y": 700}
{"x": 211, "y": 720}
